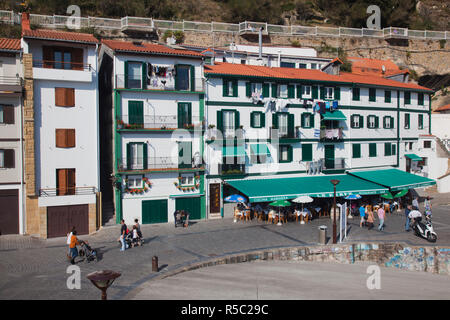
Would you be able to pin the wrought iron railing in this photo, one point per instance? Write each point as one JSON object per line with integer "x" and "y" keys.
{"x": 331, "y": 134}
{"x": 61, "y": 65}
{"x": 333, "y": 163}
{"x": 159, "y": 83}
{"x": 157, "y": 163}
{"x": 69, "y": 191}
{"x": 5, "y": 80}
{"x": 158, "y": 122}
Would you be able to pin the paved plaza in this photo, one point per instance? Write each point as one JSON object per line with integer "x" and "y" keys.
{"x": 32, "y": 268}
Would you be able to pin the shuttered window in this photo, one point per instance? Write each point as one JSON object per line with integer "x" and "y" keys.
{"x": 355, "y": 94}
{"x": 420, "y": 124}
{"x": 407, "y": 120}
{"x": 387, "y": 96}
{"x": 372, "y": 94}
{"x": 420, "y": 99}
{"x": 407, "y": 97}
{"x": 7, "y": 158}
{"x": 387, "y": 149}
{"x": 136, "y": 113}
{"x": 230, "y": 88}
{"x": 307, "y": 152}
{"x": 257, "y": 119}
{"x": 63, "y": 58}
{"x": 356, "y": 148}
{"x": 65, "y": 183}
{"x": 285, "y": 153}
{"x": 65, "y": 97}
{"x": 65, "y": 138}
{"x": 372, "y": 150}
{"x": 6, "y": 114}
{"x": 307, "y": 120}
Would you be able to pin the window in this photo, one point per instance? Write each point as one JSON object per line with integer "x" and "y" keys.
{"x": 388, "y": 122}
{"x": 134, "y": 75}
{"x": 243, "y": 61}
{"x": 420, "y": 98}
{"x": 394, "y": 149}
{"x": 356, "y": 148}
{"x": 372, "y": 122}
{"x": 256, "y": 87}
{"x": 7, "y": 158}
{"x": 228, "y": 123}
{"x": 406, "y": 120}
{"x": 420, "y": 120}
{"x": 230, "y": 88}
{"x": 136, "y": 156}
{"x": 183, "y": 76}
{"x": 307, "y": 152}
{"x": 283, "y": 91}
{"x": 134, "y": 181}
{"x": 387, "y": 149}
{"x": 329, "y": 93}
{"x": 306, "y": 92}
{"x": 307, "y": 120}
{"x": 372, "y": 150}
{"x": 357, "y": 121}
{"x": 302, "y": 65}
{"x": 313, "y": 65}
{"x": 187, "y": 179}
{"x": 136, "y": 113}
{"x": 184, "y": 115}
{"x": 65, "y": 97}
{"x": 62, "y": 58}
{"x": 372, "y": 94}
{"x": 407, "y": 97}
{"x": 257, "y": 119}
{"x": 355, "y": 94}
{"x": 283, "y": 124}
{"x": 287, "y": 64}
{"x": 6, "y": 114}
{"x": 427, "y": 144}
{"x": 285, "y": 153}
{"x": 387, "y": 96}
{"x": 65, "y": 138}
{"x": 65, "y": 182}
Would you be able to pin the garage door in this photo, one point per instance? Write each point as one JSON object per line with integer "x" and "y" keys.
{"x": 61, "y": 219}
{"x": 9, "y": 213}
{"x": 191, "y": 205}
{"x": 154, "y": 211}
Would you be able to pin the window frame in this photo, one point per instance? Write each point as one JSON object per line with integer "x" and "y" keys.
{"x": 327, "y": 91}
{"x": 135, "y": 178}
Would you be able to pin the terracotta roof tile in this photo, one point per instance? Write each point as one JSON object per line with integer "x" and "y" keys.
{"x": 375, "y": 67}
{"x": 9, "y": 44}
{"x": 443, "y": 108}
{"x": 59, "y": 35}
{"x": 147, "y": 47}
{"x": 305, "y": 74}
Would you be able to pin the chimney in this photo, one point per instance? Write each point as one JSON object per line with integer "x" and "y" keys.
{"x": 25, "y": 21}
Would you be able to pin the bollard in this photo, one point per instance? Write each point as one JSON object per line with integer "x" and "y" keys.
{"x": 155, "y": 264}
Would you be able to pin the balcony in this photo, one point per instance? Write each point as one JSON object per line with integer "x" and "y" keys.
{"x": 70, "y": 191}
{"x": 331, "y": 134}
{"x": 159, "y": 84}
{"x": 62, "y": 71}
{"x": 158, "y": 123}
{"x": 158, "y": 164}
{"x": 333, "y": 164}
{"x": 284, "y": 135}
{"x": 11, "y": 84}
{"x": 231, "y": 169}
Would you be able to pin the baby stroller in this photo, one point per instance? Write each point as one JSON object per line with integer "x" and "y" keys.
{"x": 134, "y": 242}
{"x": 87, "y": 251}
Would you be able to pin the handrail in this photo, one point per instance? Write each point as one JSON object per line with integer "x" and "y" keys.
{"x": 54, "y": 65}
{"x": 70, "y": 191}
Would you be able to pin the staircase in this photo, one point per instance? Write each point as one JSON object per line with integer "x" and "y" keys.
{"x": 442, "y": 151}
{"x": 214, "y": 216}
{"x": 108, "y": 214}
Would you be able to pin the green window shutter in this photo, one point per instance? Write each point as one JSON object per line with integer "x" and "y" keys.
{"x": 337, "y": 93}
{"x": 126, "y": 74}
{"x": 177, "y": 81}
{"x": 420, "y": 121}
{"x": 311, "y": 120}
{"x": 387, "y": 96}
{"x": 361, "y": 121}
{"x": 290, "y": 153}
{"x": 145, "y": 156}
{"x": 235, "y": 88}
{"x": 192, "y": 78}
{"x": 387, "y": 149}
{"x": 356, "y": 150}
{"x": 315, "y": 92}
{"x": 263, "y": 120}
{"x": 406, "y": 120}
{"x": 129, "y": 156}
{"x": 291, "y": 129}
{"x": 372, "y": 150}
{"x": 274, "y": 90}
{"x": 291, "y": 91}
{"x": 265, "y": 90}
{"x": 302, "y": 120}
{"x": 352, "y": 117}
{"x": 420, "y": 99}
{"x": 407, "y": 97}
{"x": 372, "y": 94}
{"x": 275, "y": 120}
{"x": 306, "y": 152}
{"x": 394, "y": 150}
{"x": 299, "y": 91}
{"x": 144, "y": 75}
{"x": 135, "y": 112}
{"x": 248, "y": 89}
{"x": 376, "y": 122}
{"x": 322, "y": 92}
{"x": 392, "y": 122}
{"x": 237, "y": 121}
{"x": 225, "y": 92}
{"x": 184, "y": 114}
{"x": 355, "y": 95}
{"x": 252, "y": 119}
{"x": 385, "y": 120}
{"x": 219, "y": 120}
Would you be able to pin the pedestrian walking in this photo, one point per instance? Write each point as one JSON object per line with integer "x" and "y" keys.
{"x": 381, "y": 215}
{"x": 123, "y": 234}
{"x": 69, "y": 237}
{"x": 362, "y": 214}
{"x": 427, "y": 204}
{"x": 415, "y": 203}
{"x": 408, "y": 221}
{"x": 138, "y": 227}
{"x": 73, "y": 246}
{"x": 370, "y": 218}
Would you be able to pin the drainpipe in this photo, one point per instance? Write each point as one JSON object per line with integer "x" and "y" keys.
{"x": 260, "y": 44}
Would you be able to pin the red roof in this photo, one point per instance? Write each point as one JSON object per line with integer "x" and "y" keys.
{"x": 10, "y": 44}
{"x": 59, "y": 35}
{"x": 375, "y": 67}
{"x": 305, "y": 74}
{"x": 147, "y": 47}
{"x": 443, "y": 108}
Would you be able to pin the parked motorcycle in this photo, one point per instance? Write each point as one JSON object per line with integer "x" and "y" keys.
{"x": 425, "y": 230}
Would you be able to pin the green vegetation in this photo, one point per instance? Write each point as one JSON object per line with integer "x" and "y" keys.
{"x": 179, "y": 36}
{"x": 10, "y": 31}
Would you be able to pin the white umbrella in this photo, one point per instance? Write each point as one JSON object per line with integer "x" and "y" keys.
{"x": 303, "y": 199}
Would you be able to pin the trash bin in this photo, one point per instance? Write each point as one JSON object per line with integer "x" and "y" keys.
{"x": 323, "y": 234}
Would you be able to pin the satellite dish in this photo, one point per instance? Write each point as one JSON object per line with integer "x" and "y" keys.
{"x": 383, "y": 68}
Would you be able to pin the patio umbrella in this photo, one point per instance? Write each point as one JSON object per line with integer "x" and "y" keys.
{"x": 303, "y": 199}
{"x": 235, "y": 198}
{"x": 280, "y": 203}
{"x": 387, "y": 195}
{"x": 352, "y": 197}
{"x": 401, "y": 193}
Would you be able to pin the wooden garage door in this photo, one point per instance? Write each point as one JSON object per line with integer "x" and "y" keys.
{"x": 9, "y": 212}
{"x": 61, "y": 219}
{"x": 191, "y": 205}
{"x": 154, "y": 211}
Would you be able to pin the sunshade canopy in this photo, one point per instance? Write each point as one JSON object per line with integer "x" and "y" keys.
{"x": 281, "y": 203}
{"x": 401, "y": 193}
{"x": 233, "y": 151}
{"x": 394, "y": 179}
{"x": 387, "y": 195}
{"x": 335, "y": 115}
{"x": 235, "y": 198}
{"x": 259, "y": 149}
{"x": 264, "y": 190}
{"x": 413, "y": 157}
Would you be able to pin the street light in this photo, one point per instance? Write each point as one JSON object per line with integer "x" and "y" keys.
{"x": 103, "y": 279}
{"x": 334, "y": 182}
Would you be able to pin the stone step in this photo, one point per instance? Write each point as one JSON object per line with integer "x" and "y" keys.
{"x": 214, "y": 216}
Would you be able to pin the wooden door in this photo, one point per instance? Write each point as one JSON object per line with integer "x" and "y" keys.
{"x": 329, "y": 156}
{"x": 214, "y": 198}
{"x": 9, "y": 212}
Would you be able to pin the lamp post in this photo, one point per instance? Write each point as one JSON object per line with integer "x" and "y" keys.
{"x": 103, "y": 279}
{"x": 334, "y": 182}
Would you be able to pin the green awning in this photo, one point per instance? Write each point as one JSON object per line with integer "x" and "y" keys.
{"x": 394, "y": 179}
{"x": 413, "y": 157}
{"x": 233, "y": 151}
{"x": 259, "y": 149}
{"x": 264, "y": 190}
{"x": 335, "y": 115}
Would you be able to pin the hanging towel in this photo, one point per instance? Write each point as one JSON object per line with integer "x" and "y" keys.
{"x": 327, "y": 105}
{"x": 335, "y": 104}
{"x": 316, "y": 107}
{"x": 322, "y": 107}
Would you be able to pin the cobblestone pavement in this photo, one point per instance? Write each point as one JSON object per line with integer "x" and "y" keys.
{"x": 32, "y": 268}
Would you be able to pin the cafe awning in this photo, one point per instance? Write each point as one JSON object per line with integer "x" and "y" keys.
{"x": 394, "y": 179}
{"x": 259, "y": 149}
{"x": 413, "y": 157}
{"x": 233, "y": 151}
{"x": 335, "y": 115}
{"x": 263, "y": 190}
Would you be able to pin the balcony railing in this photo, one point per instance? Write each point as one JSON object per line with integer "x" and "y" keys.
{"x": 282, "y": 134}
{"x": 159, "y": 83}
{"x": 158, "y": 122}
{"x": 231, "y": 169}
{"x": 12, "y": 81}
{"x": 157, "y": 163}
{"x": 336, "y": 163}
{"x": 61, "y": 65}
{"x": 331, "y": 134}
{"x": 69, "y": 191}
